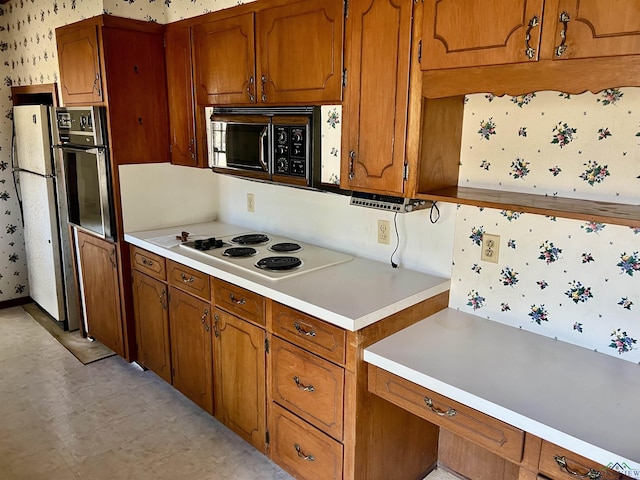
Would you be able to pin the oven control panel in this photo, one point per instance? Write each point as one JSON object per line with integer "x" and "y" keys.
{"x": 290, "y": 150}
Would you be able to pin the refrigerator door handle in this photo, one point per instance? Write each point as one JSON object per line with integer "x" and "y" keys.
{"x": 90, "y": 151}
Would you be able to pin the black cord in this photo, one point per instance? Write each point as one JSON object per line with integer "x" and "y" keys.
{"x": 395, "y": 226}
{"x": 435, "y": 208}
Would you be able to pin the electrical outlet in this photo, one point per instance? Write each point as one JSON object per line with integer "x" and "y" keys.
{"x": 251, "y": 204}
{"x": 490, "y": 248}
{"x": 384, "y": 231}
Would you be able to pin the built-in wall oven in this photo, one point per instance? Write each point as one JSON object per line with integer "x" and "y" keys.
{"x": 81, "y": 143}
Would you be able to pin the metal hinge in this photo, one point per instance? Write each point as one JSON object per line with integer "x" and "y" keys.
{"x": 266, "y": 345}
{"x": 346, "y": 8}
{"x": 344, "y": 78}
{"x": 405, "y": 173}
{"x": 419, "y": 50}
{"x": 266, "y": 437}
{"x": 170, "y": 148}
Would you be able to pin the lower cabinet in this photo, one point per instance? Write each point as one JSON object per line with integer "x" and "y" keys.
{"x": 240, "y": 377}
{"x": 150, "y": 303}
{"x": 101, "y": 290}
{"x": 191, "y": 348}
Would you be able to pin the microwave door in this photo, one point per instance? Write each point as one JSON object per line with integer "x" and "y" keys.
{"x": 239, "y": 143}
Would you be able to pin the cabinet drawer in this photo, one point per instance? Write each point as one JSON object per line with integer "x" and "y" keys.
{"x": 237, "y": 300}
{"x": 149, "y": 263}
{"x": 302, "y": 450}
{"x": 313, "y": 334}
{"x": 559, "y": 463}
{"x": 494, "y": 435}
{"x": 189, "y": 280}
{"x": 309, "y": 386}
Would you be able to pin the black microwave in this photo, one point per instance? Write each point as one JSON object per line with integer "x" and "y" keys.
{"x": 273, "y": 144}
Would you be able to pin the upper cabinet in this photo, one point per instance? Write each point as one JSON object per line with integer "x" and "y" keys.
{"x": 592, "y": 28}
{"x": 182, "y": 129}
{"x": 224, "y": 53}
{"x": 460, "y": 33}
{"x": 119, "y": 63}
{"x": 81, "y": 77}
{"x": 299, "y": 52}
{"x": 287, "y": 53}
{"x": 377, "y": 61}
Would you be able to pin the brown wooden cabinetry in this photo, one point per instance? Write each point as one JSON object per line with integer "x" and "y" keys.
{"x": 459, "y": 33}
{"x": 378, "y": 39}
{"x": 271, "y": 54}
{"x": 191, "y": 349}
{"x": 591, "y": 28}
{"x": 101, "y": 290}
{"x": 182, "y": 129}
{"x": 119, "y": 63}
{"x": 150, "y": 301}
{"x": 79, "y": 60}
{"x": 240, "y": 377}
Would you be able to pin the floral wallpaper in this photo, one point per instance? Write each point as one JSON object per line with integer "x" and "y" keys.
{"x": 575, "y": 281}
{"x": 331, "y": 141}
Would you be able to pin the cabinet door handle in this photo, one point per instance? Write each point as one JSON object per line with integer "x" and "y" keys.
{"x": 250, "y": 88}
{"x": 449, "y": 413}
{"x": 203, "y": 320}
{"x": 186, "y": 279}
{"x": 591, "y": 474}
{"x": 162, "y": 299}
{"x": 308, "y": 333}
{"x": 352, "y": 159}
{"x": 263, "y": 79}
{"x": 564, "y": 19}
{"x": 301, "y": 386}
{"x": 239, "y": 301}
{"x": 309, "y": 458}
{"x": 216, "y": 319}
{"x": 530, "y": 52}
{"x": 148, "y": 263}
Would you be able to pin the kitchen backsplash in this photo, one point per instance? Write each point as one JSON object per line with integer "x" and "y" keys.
{"x": 575, "y": 281}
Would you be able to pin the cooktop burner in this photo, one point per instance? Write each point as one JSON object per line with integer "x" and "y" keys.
{"x": 287, "y": 247}
{"x": 251, "y": 239}
{"x": 278, "y": 263}
{"x": 239, "y": 252}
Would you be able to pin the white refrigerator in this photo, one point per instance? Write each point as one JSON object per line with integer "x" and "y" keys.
{"x": 46, "y": 234}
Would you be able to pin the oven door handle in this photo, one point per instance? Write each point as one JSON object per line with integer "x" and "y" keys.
{"x": 90, "y": 151}
{"x": 264, "y": 148}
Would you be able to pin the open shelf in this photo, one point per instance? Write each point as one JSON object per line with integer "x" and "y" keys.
{"x": 577, "y": 209}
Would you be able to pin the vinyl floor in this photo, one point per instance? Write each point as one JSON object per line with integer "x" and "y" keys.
{"x": 108, "y": 420}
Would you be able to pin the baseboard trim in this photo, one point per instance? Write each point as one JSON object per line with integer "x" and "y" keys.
{"x": 15, "y": 302}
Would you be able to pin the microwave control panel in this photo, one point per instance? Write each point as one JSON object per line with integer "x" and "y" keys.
{"x": 290, "y": 150}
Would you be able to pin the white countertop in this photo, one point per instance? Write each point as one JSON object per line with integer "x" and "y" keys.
{"x": 351, "y": 295}
{"x": 584, "y": 401}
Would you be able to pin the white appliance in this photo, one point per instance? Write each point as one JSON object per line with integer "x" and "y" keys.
{"x": 44, "y": 212}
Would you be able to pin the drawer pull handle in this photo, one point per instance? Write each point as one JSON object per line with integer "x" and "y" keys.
{"x": 449, "y": 413}
{"x": 185, "y": 279}
{"x": 148, "y": 263}
{"x": 591, "y": 474}
{"x": 301, "y": 386}
{"x": 310, "y": 333}
{"x": 309, "y": 458}
{"x": 240, "y": 301}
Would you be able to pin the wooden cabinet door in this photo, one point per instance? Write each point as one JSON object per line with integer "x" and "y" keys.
{"x": 182, "y": 129}
{"x": 224, "y": 57}
{"x": 376, "y": 95}
{"x": 101, "y": 290}
{"x": 299, "y": 52}
{"x": 191, "y": 354}
{"x": 592, "y": 28}
{"x": 79, "y": 62}
{"x": 239, "y": 377}
{"x": 152, "y": 324}
{"x": 137, "y": 95}
{"x": 463, "y": 33}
